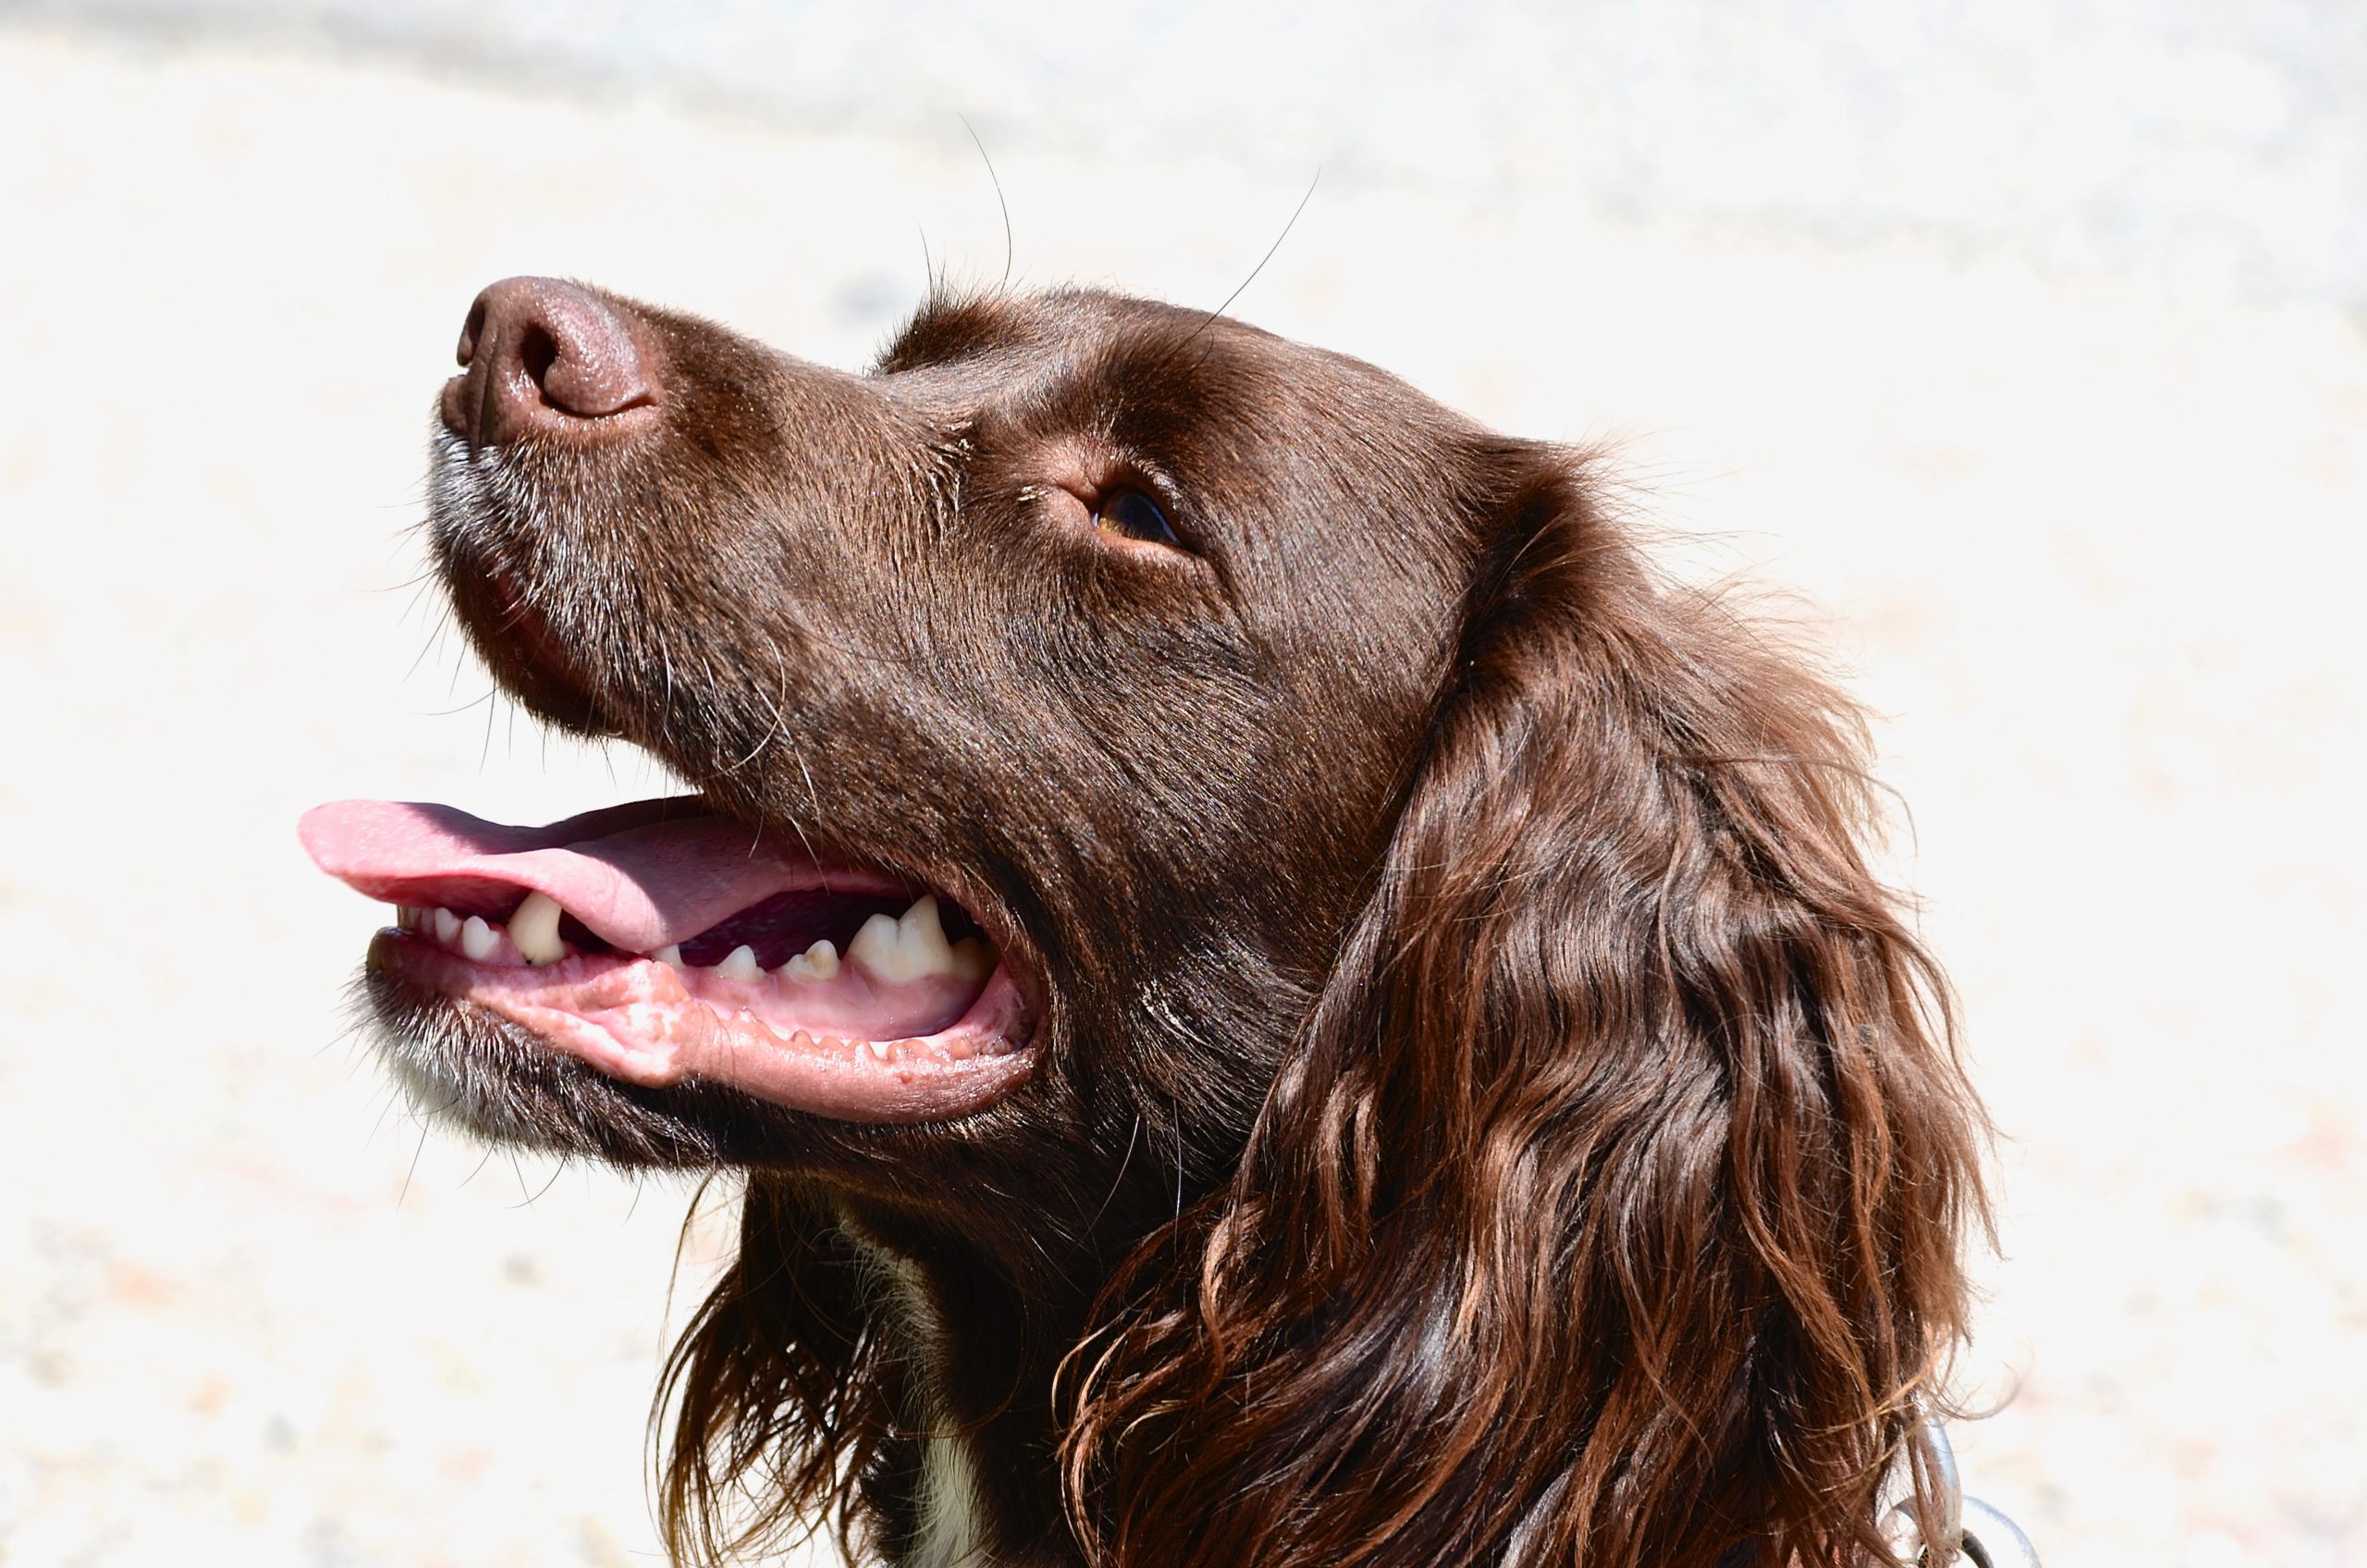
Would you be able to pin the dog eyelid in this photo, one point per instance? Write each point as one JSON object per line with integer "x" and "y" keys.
{"x": 1129, "y": 509}
{"x": 1131, "y": 513}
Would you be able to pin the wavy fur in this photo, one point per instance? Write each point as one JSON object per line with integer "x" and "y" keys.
{"x": 1609, "y": 1210}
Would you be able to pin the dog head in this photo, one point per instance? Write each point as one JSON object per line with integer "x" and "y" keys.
{"x": 1073, "y": 615}
{"x": 1244, "y": 860}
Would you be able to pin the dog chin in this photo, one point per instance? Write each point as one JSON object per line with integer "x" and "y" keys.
{"x": 488, "y": 1077}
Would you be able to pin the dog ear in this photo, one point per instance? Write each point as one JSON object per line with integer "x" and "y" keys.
{"x": 1609, "y": 1207}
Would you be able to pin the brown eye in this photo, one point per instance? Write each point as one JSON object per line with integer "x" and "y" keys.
{"x": 1130, "y": 514}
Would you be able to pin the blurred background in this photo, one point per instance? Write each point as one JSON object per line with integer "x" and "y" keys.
{"x": 2026, "y": 343}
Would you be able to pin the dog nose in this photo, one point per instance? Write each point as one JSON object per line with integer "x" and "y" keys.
{"x": 542, "y": 357}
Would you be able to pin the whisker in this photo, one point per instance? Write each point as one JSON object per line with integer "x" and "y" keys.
{"x": 1269, "y": 256}
{"x": 418, "y": 1150}
{"x": 999, "y": 197}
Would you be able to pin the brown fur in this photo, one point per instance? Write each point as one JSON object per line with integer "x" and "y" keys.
{"x": 1487, "y": 1111}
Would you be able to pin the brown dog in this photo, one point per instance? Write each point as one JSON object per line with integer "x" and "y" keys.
{"x": 1282, "y": 1000}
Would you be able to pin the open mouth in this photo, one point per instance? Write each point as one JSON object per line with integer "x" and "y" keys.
{"x": 658, "y": 942}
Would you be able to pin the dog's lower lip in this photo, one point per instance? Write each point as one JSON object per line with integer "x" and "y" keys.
{"x": 634, "y": 1018}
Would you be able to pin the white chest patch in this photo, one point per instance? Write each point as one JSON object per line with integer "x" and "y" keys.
{"x": 951, "y": 1534}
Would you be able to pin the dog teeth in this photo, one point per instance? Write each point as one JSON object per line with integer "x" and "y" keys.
{"x": 534, "y": 929}
{"x": 477, "y": 939}
{"x": 815, "y": 965}
{"x": 892, "y": 949}
{"x": 899, "y": 949}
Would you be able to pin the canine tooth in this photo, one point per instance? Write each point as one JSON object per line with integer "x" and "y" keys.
{"x": 815, "y": 965}
{"x": 896, "y": 950}
{"x": 477, "y": 939}
{"x": 448, "y": 927}
{"x": 741, "y": 964}
{"x": 671, "y": 953}
{"x": 535, "y": 928}
{"x": 406, "y": 917}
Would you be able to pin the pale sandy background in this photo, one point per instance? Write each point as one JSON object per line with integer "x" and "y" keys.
{"x": 2033, "y": 350}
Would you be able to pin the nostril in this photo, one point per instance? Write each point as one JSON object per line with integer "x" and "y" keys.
{"x": 537, "y": 350}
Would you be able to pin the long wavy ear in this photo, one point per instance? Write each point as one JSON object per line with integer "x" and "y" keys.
{"x": 1609, "y": 1211}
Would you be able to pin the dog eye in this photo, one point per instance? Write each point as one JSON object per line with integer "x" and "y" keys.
{"x": 1130, "y": 514}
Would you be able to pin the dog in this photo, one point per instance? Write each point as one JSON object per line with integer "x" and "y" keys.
{"x": 1275, "y": 996}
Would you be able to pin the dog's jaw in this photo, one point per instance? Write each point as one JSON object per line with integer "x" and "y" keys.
{"x": 659, "y": 943}
{"x": 643, "y": 1022}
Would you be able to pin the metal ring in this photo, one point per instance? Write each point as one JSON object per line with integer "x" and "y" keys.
{"x": 1986, "y": 1537}
{"x": 1900, "y": 1526}
{"x": 1944, "y": 1460}
{"x": 1992, "y": 1540}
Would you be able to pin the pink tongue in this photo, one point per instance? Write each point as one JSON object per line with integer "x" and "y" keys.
{"x": 639, "y": 876}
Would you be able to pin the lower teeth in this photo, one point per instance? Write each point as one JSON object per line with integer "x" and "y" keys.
{"x": 911, "y": 949}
